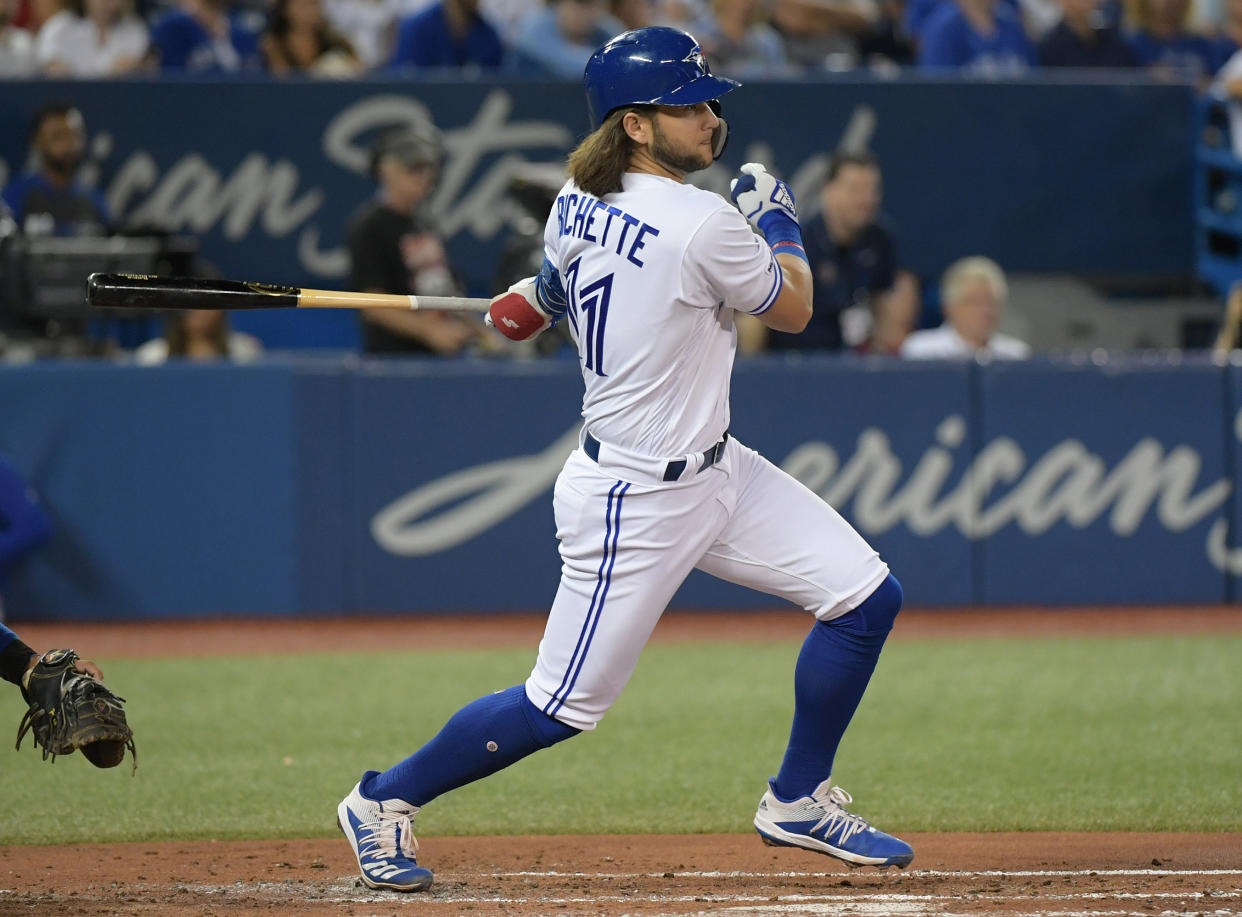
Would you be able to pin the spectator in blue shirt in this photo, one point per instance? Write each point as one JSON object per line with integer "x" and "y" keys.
{"x": 558, "y": 40}
{"x": 1162, "y": 42}
{"x": 203, "y": 37}
{"x": 981, "y": 37}
{"x": 863, "y": 299}
{"x": 450, "y": 33}
{"x": 49, "y": 200}
{"x": 916, "y": 14}
{"x": 1084, "y": 38}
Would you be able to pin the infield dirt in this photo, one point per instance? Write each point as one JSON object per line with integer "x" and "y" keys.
{"x": 1031, "y": 875}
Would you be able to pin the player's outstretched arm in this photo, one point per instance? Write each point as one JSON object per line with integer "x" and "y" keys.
{"x": 768, "y": 204}
{"x": 529, "y": 306}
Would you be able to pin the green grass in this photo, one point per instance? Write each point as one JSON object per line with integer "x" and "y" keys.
{"x": 989, "y": 735}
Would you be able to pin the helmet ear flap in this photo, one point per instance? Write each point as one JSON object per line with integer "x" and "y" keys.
{"x": 720, "y": 137}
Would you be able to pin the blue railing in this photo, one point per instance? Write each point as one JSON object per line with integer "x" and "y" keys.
{"x": 1217, "y": 199}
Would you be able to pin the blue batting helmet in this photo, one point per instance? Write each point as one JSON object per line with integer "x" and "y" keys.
{"x": 654, "y": 66}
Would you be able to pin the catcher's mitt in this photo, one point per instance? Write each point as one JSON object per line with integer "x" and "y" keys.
{"x": 69, "y": 710}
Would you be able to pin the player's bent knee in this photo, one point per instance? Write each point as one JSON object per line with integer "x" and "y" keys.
{"x": 548, "y": 729}
{"x": 877, "y": 612}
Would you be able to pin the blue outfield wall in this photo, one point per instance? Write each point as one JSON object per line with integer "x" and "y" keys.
{"x": 328, "y": 486}
{"x": 1044, "y": 176}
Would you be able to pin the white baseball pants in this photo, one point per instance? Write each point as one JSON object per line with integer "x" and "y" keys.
{"x": 628, "y": 541}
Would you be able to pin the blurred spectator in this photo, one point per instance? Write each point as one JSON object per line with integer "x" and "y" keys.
{"x": 1039, "y": 17}
{"x": 204, "y": 37}
{"x": 677, "y": 13}
{"x": 973, "y": 293}
{"x": 49, "y": 200}
{"x": 97, "y": 38}
{"x": 1162, "y": 42}
{"x": 370, "y": 26}
{"x": 449, "y": 33}
{"x": 298, "y": 39}
{"x": 824, "y": 34}
{"x": 24, "y": 525}
{"x": 886, "y": 39}
{"x": 393, "y": 249}
{"x": 1228, "y": 88}
{"x": 862, "y": 297}
{"x": 916, "y": 14}
{"x": 558, "y": 40}
{"x": 633, "y": 14}
{"x": 31, "y": 14}
{"x": 1228, "y": 38}
{"x": 738, "y": 43}
{"x": 507, "y": 16}
{"x": 981, "y": 37}
{"x": 201, "y": 335}
{"x": 1084, "y": 38}
{"x": 16, "y": 44}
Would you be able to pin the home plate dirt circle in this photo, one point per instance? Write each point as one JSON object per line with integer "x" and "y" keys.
{"x": 1022, "y": 875}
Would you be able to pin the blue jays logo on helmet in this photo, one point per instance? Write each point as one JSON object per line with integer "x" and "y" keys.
{"x": 654, "y": 66}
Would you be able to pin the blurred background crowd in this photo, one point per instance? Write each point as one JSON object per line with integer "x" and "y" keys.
{"x": 745, "y": 39}
{"x": 867, "y": 300}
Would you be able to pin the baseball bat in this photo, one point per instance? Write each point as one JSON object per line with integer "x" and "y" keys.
{"x": 145, "y": 291}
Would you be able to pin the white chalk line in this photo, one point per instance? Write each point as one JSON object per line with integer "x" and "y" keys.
{"x": 930, "y": 873}
{"x": 879, "y": 910}
{"x": 843, "y": 899}
{"x": 337, "y": 893}
{"x": 834, "y": 902}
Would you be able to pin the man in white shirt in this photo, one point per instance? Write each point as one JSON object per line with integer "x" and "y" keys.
{"x": 973, "y": 293}
{"x": 105, "y": 40}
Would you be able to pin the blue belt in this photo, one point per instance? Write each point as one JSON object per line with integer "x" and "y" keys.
{"x": 674, "y": 470}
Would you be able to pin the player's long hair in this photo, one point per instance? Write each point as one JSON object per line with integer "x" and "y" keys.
{"x": 599, "y": 161}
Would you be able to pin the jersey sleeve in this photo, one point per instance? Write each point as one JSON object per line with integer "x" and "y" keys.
{"x": 736, "y": 267}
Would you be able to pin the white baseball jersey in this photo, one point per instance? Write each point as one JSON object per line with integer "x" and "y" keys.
{"x": 652, "y": 294}
{"x": 653, "y": 276}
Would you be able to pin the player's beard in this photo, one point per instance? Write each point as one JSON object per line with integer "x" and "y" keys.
{"x": 663, "y": 152}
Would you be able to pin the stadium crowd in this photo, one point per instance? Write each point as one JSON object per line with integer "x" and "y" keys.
{"x": 1182, "y": 39}
{"x": 865, "y": 299}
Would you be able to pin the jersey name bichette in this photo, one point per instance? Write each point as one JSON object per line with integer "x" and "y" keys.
{"x": 576, "y": 216}
{"x": 653, "y": 276}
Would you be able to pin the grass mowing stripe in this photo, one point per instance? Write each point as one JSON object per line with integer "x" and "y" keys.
{"x": 1089, "y": 734}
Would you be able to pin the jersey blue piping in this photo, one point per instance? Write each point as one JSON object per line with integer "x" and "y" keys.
{"x": 778, "y": 283}
{"x": 602, "y": 582}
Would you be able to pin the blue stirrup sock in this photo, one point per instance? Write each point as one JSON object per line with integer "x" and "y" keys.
{"x": 481, "y": 738}
{"x": 833, "y": 669}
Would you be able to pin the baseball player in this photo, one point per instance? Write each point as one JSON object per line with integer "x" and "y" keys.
{"x": 649, "y": 272}
{"x": 17, "y": 660}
